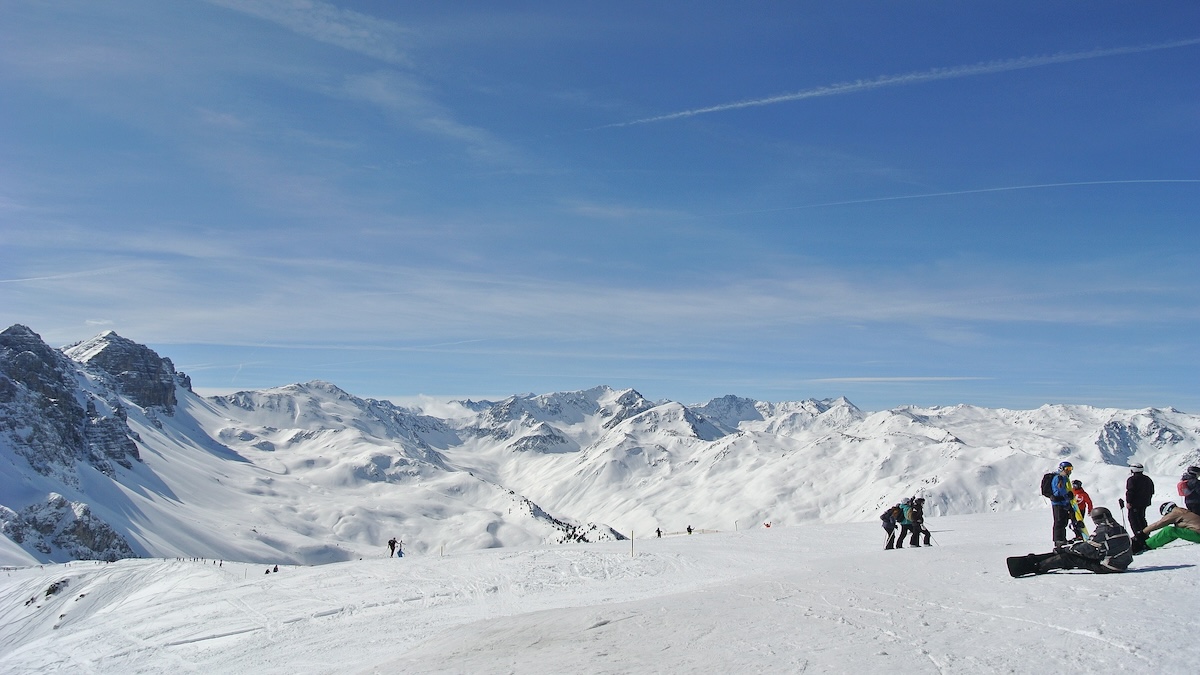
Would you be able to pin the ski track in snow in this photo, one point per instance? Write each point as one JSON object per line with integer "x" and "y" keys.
{"x": 820, "y": 598}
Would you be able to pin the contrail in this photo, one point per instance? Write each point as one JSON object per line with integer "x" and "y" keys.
{"x": 1007, "y": 188}
{"x": 985, "y": 68}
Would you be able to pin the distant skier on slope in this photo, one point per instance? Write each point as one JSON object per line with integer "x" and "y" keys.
{"x": 1109, "y": 550}
{"x": 891, "y": 518}
{"x": 1176, "y": 523}
{"x": 906, "y": 523}
{"x": 917, "y": 516}
{"x": 391, "y": 547}
{"x": 1139, "y": 494}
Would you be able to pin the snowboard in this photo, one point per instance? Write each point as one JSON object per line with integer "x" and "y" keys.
{"x": 1022, "y": 565}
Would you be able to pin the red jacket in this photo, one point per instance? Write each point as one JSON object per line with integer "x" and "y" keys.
{"x": 1084, "y": 500}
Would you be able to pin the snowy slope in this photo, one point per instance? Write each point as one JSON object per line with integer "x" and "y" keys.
{"x": 821, "y": 598}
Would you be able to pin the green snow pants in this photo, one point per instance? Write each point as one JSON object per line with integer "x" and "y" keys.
{"x": 1169, "y": 534}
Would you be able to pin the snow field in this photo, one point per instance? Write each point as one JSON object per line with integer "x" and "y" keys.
{"x": 825, "y": 598}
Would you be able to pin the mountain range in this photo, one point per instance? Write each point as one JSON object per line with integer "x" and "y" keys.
{"x": 108, "y": 453}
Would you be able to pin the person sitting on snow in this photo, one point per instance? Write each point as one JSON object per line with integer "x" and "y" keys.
{"x": 1109, "y": 549}
{"x": 1176, "y": 523}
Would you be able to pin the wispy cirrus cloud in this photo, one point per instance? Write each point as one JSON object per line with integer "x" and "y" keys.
{"x": 324, "y": 22}
{"x": 985, "y": 68}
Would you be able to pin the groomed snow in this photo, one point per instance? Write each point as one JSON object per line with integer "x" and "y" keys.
{"x": 820, "y": 598}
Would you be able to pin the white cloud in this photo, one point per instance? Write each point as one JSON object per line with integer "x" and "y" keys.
{"x": 360, "y": 33}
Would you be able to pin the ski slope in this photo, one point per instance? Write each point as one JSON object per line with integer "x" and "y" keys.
{"x": 822, "y": 598}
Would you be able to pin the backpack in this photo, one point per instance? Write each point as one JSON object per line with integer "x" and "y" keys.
{"x": 1048, "y": 484}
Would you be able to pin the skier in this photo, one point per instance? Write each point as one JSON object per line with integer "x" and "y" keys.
{"x": 1139, "y": 494}
{"x": 400, "y": 548}
{"x": 906, "y": 523}
{"x": 1189, "y": 489}
{"x": 1109, "y": 550}
{"x": 1082, "y": 498}
{"x": 891, "y": 517}
{"x": 391, "y": 547}
{"x": 1176, "y": 523}
{"x": 1060, "y": 502}
{"x": 689, "y": 529}
{"x": 917, "y": 516}
{"x": 658, "y": 531}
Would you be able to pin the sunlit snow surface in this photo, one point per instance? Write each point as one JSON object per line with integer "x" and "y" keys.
{"x": 821, "y": 598}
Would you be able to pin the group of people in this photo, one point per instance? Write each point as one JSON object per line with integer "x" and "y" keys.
{"x": 1111, "y": 548}
{"x": 909, "y": 517}
{"x": 395, "y": 548}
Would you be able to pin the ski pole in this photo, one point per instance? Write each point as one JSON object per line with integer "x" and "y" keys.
{"x": 1122, "y": 503}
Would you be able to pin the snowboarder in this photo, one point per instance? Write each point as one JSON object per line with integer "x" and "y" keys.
{"x": 1060, "y": 502}
{"x": 1109, "y": 550}
{"x": 276, "y": 570}
{"x": 1082, "y": 498}
{"x": 1189, "y": 489}
{"x": 1139, "y": 494}
{"x": 891, "y": 517}
{"x": 917, "y": 515}
{"x": 1176, "y": 523}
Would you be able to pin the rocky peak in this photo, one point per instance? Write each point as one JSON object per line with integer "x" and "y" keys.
{"x": 145, "y": 377}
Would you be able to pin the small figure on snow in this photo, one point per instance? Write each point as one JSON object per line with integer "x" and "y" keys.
{"x": 658, "y": 531}
{"x": 400, "y": 548}
{"x": 391, "y": 547}
{"x": 1082, "y": 498}
{"x": 1139, "y": 494}
{"x": 917, "y": 515}
{"x": 1176, "y": 523}
{"x": 276, "y": 570}
{"x": 891, "y": 518}
{"x": 1109, "y": 550}
{"x": 689, "y": 529}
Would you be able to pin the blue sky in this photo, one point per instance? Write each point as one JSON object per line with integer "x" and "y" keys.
{"x": 925, "y": 203}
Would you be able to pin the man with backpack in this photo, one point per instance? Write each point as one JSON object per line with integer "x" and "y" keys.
{"x": 1057, "y": 486}
{"x": 1189, "y": 489}
{"x": 917, "y": 515}
{"x": 1139, "y": 493}
{"x": 891, "y": 517}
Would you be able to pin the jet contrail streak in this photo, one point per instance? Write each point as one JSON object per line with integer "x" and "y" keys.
{"x": 985, "y": 68}
{"x": 928, "y": 195}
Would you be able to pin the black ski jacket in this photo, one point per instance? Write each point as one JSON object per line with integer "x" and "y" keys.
{"x": 1110, "y": 545}
{"x": 1139, "y": 490}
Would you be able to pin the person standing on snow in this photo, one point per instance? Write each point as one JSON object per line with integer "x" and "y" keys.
{"x": 1139, "y": 494}
{"x": 1176, "y": 523}
{"x": 391, "y": 547}
{"x": 891, "y": 518}
{"x": 1189, "y": 489}
{"x": 906, "y": 523}
{"x": 1081, "y": 498}
{"x": 1109, "y": 550}
{"x": 1061, "y": 502}
{"x": 917, "y": 516}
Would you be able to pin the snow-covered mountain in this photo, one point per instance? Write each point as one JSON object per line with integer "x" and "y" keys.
{"x": 107, "y": 453}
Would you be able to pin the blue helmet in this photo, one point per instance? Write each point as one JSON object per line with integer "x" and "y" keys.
{"x": 1066, "y": 466}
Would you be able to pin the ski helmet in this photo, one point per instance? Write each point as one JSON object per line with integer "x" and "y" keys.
{"x": 906, "y": 501}
{"x": 1101, "y": 514}
{"x": 1166, "y": 508}
{"x": 1136, "y": 468}
{"x": 1066, "y": 466}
